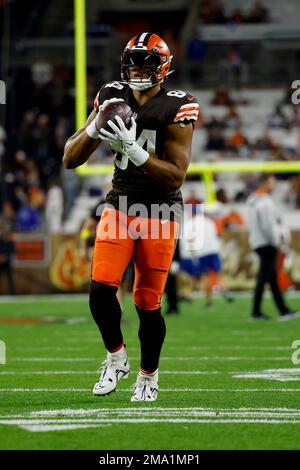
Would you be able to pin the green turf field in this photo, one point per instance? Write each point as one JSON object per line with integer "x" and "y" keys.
{"x": 225, "y": 382}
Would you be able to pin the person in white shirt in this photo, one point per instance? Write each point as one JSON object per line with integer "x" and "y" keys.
{"x": 200, "y": 253}
{"x": 265, "y": 239}
{"x": 54, "y": 208}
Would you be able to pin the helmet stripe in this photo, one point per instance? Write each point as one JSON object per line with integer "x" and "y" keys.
{"x": 142, "y": 40}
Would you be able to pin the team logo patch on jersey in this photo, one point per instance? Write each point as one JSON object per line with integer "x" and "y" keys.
{"x": 187, "y": 112}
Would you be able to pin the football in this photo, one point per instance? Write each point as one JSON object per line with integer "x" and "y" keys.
{"x": 109, "y": 112}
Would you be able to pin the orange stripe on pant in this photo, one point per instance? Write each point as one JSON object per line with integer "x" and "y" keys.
{"x": 150, "y": 241}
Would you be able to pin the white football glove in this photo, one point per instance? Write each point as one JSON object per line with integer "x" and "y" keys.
{"x": 125, "y": 140}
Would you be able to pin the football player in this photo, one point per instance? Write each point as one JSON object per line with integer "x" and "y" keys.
{"x": 152, "y": 158}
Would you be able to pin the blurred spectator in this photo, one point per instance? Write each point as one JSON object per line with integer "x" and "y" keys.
{"x": 216, "y": 140}
{"x": 41, "y": 75}
{"x": 278, "y": 118}
{"x": 294, "y": 119}
{"x": 237, "y": 17}
{"x": 196, "y": 51}
{"x": 233, "y": 221}
{"x": 8, "y": 217}
{"x": 221, "y": 195}
{"x": 291, "y": 139}
{"x": 2, "y": 141}
{"x": 232, "y": 69}
{"x": 213, "y": 121}
{"x": 28, "y": 218}
{"x": 7, "y": 249}
{"x": 234, "y": 62}
{"x": 193, "y": 198}
{"x": 232, "y": 117}
{"x": 61, "y": 133}
{"x": 98, "y": 27}
{"x": 54, "y": 208}
{"x": 31, "y": 173}
{"x": 62, "y": 102}
{"x": 264, "y": 142}
{"x": 287, "y": 95}
{"x": 71, "y": 185}
{"x": 26, "y": 139}
{"x": 292, "y": 197}
{"x": 222, "y": 97}
{"x": 212, "y": 12}
{"x": 43, "y": 139}
{"x": 237, "y": 140}
{"x": 200, "y": 254}
{"x": 258, "y": 13}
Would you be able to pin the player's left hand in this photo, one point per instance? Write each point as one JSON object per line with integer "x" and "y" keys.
{"x": 122, "y": 135}
{"x": 125, "y": 140}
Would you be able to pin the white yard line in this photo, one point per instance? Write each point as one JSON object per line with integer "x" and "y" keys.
{"x": 66, "y": 427}
{"x": 267, "y": 374}
{"x": 170, "y": 348}
{"x": 281, "y": 375}
{"x": 109, "y": 420}
{"x": 43, "y": 298}
{"x": 153, "y": 410}
{"x": 94, "y": 372}
{"x": 198, "y": 390}
{"x": 64, "y": 419}
{"x": 60, "y": 427}
{"x": 163, "y": 358}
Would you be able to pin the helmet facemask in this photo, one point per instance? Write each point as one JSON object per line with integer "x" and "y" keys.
{"x": 146, "y": 61}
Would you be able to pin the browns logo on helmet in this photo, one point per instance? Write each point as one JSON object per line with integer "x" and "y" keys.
{"x": 146, "y": 50}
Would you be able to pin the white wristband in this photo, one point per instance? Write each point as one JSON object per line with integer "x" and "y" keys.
{"x": 136, "y": 153}
{"x": 92, "y": 131}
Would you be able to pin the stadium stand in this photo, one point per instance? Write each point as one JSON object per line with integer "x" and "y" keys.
{"x": 252, "y": 123}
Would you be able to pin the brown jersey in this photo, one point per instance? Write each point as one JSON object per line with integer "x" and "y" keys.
{"x": 163, "y": 109}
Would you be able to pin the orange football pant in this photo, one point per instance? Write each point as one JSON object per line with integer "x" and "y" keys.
{"x": 151, "y": 242}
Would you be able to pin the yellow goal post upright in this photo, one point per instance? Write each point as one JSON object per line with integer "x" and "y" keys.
{"x": 206, "y": 169}
{"x": 80, "y": 63}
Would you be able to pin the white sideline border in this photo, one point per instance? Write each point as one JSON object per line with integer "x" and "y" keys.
{"x": 84, "y": 296}
{"x": 163, "y": 358}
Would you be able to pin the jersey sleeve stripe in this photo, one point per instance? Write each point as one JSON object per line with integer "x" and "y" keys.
{"x": 190, "y": 110}
{"x": 187, "y": 116}
{"x": 186, "y": 113}
{"x": 189, "y": 105}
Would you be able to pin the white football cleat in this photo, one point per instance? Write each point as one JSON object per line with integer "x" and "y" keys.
{"x": 114, "y": 368}
{"x": 146, "y": 387}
